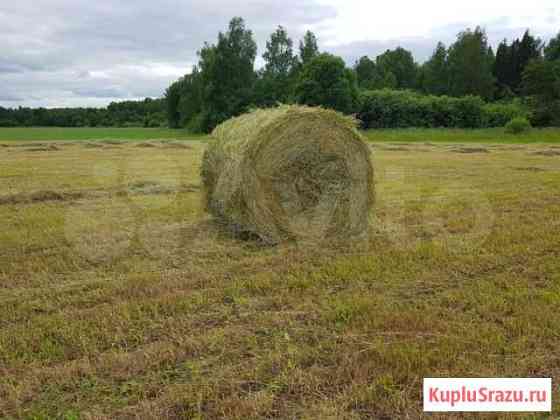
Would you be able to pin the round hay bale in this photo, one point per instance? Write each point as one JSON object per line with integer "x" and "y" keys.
{"x": 289, "y": 173}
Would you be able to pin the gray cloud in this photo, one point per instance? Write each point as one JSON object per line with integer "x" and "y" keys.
{"x": 423, "y": 47}
{"x": 83, "y": 52}
{"x": 10, "y": 98}
{"x": 110, "y": 92}
{"x": 65, "y": 52}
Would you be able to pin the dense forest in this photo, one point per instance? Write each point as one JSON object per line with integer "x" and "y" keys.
{"x": 146, "y": 113}
{"x": 464, "y": 85}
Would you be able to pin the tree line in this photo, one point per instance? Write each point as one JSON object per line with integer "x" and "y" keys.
{"x": 464, "y": 85}
{"x": 146, "y": 113}
{"x": 522, "y": 75}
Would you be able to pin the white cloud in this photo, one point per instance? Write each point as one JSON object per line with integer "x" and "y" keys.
{"x": 367, "y": 20}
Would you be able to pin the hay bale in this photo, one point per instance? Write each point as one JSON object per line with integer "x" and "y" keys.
{"x": 289, "y": 173}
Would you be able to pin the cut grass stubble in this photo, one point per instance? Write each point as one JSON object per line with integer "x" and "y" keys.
{"x": 460, "y": 278}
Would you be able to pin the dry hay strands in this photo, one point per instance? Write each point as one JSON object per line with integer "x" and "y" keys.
{"x": 155, "y": 188}
{"x": 39, "y": 197}
{"x": 146, "y": 144}
{"x": 395, "y": 149}
{"x": 289, "y": 173}
{"x": 41, "y": 147}
{"x": 137, "y": 188}
{"x": 468, "y": 150}
{"x": 93, "y": 145}
{"x": 548, "y": 153}
{"x": 175, "y": 145}
{"x": 113, "y": 143}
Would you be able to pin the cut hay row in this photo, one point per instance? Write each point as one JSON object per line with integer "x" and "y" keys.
{"x": 136, "y": 188}
{"x": 289, "y": 173}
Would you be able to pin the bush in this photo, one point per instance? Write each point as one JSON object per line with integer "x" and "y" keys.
{"x": 400, "y": 109}
{"x": 498, "y": 114}
{"x": 8, "y": 123}
{"x": 518, "y": 125}
{"x": 198, "y": 123}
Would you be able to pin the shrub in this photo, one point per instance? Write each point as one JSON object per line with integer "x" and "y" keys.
{"x": 8, "y": 123}
{"x": 468, "y": 112}
{"x": 518, "y": 125}
{"x": 498, "y": 114}
{"x": 399, "y": 109}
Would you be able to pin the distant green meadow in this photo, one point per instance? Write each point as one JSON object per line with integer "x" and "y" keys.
{"x": 455, "y": 135}
{"x": 413, "y": 135}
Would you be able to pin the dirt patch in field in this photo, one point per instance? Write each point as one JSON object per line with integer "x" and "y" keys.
{"x": 467, "y": 150}
{"x": 547, "y": 153}
{"x": 39, "y": 197}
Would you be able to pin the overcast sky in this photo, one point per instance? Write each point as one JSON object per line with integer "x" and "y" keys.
{"x": 92, "y": 52}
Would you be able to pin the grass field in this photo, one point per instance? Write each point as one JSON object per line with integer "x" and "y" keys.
{"x": 121, "y": 299}
{"x": 416, "y": 135}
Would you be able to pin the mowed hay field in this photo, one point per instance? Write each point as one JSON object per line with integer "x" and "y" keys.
{"x": 120, "y": 298}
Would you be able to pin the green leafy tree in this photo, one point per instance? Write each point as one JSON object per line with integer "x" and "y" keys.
{"x": 279, "y": 55}
{"x": 227, "y": 74}
{"x": 190, "y": 104}
{"x": 530, "y": 48}
{"x": 366, "y": 73}
{"x": 504, "y": 66}
{"x": 401, "y": 64}
{"x": 308, "y": 47}
{"x": 387, "y": 80}
{"x": 276, "y": 80}
{"x": 541, "y": 81}
{"x": 552, "y": 50}
{"x": 511, "y": 61}
{"x": 435, "y": 77}
{"x": 172, "y": 98}
{"x": 470, "y": 65}
{"x": 325, "y": 81}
